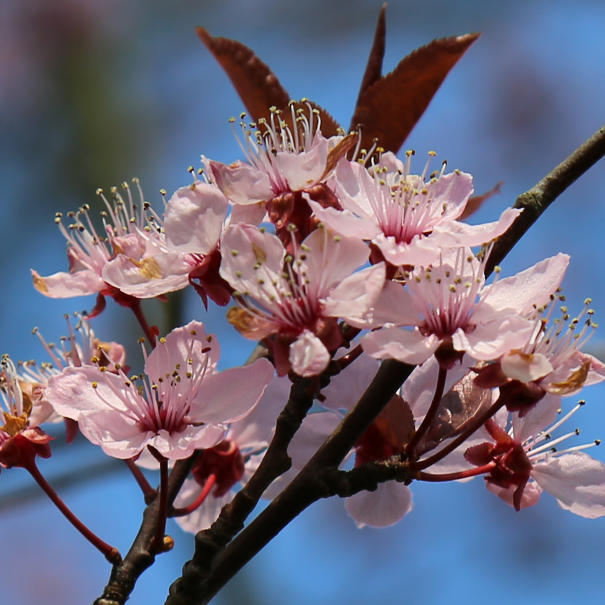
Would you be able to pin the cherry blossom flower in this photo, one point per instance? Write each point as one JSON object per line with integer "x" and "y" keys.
{"x": 80, "y": 347}
{"x": 181, "y": 404}
{"x": 131, "y": 244}
{"x": 194, "y": 222}
{"x": 447, "y": 307}
{"x": 293, "y": 301}
{"x": 21, "y": 440}
{"x": 551, "y": 359}
{"x": 410, "y": 218}
{"x": 282, "y": 160}
{"x": 521, "y": 463}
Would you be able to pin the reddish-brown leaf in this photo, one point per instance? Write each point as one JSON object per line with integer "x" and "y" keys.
{"x": 475, "y": 202}
{"x": 255, "y": 83}
{"x": 389, "y": 108}
{"x": 373, "y": 71}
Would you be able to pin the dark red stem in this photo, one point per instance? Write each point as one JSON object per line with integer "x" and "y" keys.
{"x": 147, "y": 329}
{"x": 149, "y": 493}
{"x": 471, "y": 472}
{"x": 474, "y": 425}
{"x": 430, "y": 415}
{"x": 109, "y": 552}
{"x": 185, "y": 510}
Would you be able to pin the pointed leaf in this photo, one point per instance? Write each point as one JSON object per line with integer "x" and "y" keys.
{"x": 389, "y": 109}
{"x": 254, "y": 82}
{"x": 476, "y": 201}
{"x": 257, "y": 86}
{"x": 373, "y": 71}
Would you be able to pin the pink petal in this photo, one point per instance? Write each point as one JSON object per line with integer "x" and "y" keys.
{"x": 408, "y": 346}
{"x": 530, "y": 496}
{"x": 539, "y": 417}
{"x": 525, "y": 367}
{"x": 66, "y": 285}
{"x": 229, "y": 395}
{"x": 241, "y": 183}
{"x": 395, "y": 305}
{"x": 386, "y": 506}
{"x": 156, "y": 273}
{"x": 71, "y": 393}
{"x": 194, "y": 218}
{"x": 577, "y": 481}
{"x": 315, "y": 429}
{"x": 352, "y": 298}
{"x": 180, "y": 346}
{"x": 329, "y": 259}
{"x": 495, "y": 333}
{"x": 345, "y": 222}
{"x": 256, "y": 429}
{"x": 528, "y": 288}
{"x": 308, "y": 356}
{"x": 247, "y": 250}
{"x": 203, "y": 516}
{"x": 420, "y": 250}
{"x": 301, "y": 170}
{"x": 458, "y": 234}
{"x": 346, "y": 388}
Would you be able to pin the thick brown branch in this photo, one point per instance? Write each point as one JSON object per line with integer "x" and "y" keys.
{"x": 231, "y": 520}
{"x": 307, "y": 487}
{"x": 535, "y": 201}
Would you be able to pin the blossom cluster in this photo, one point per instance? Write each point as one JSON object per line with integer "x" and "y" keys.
{"x": 334, "y": 258}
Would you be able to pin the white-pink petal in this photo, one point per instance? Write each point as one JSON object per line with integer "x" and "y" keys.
{"x": 386, "y": 506}
{"x": 194, "y": 218}
{"x": 308, "y": 356}
{"x": 66, "y": 285}
{"x": 530, "y": 288}
{"x": 408, "y": 346}
{"x": 576, "y": 480}
{"x": 229, "y": 395}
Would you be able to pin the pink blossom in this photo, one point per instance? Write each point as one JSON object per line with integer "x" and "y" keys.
{"x": 285, "y": 156}
{"x": 408, "y": 217}
{"x": 80, "y": 347}
{"x": 185, "y": 250}
{"x": 524, "y": 463}
{"x": 280, "y": 158}
{"x": 21, "y": 440}
{"x": 447, "y": 306}
{"x": 293, "y": 301}
{"x": 551, "y": 357}
{"x": 181, "y": 404}
{"x": 120, "y": 262}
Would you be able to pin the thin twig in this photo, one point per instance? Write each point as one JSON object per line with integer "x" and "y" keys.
{"x": 139, "y": 557}
{"x": 199, "y": 585}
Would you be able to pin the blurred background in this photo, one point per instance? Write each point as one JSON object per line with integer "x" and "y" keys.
{"x": 93, "y": 92}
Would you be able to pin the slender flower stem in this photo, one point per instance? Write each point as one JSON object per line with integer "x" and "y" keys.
{"x": 185, "y": 510}
{"x": 111, "y": 553}
{"x": 147, "y": 329}
{"x": 474, "y": 425}
{"x": 471, "y": 472}
{"x": 149, "y": 493}
{"x": 430, "y": 415}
